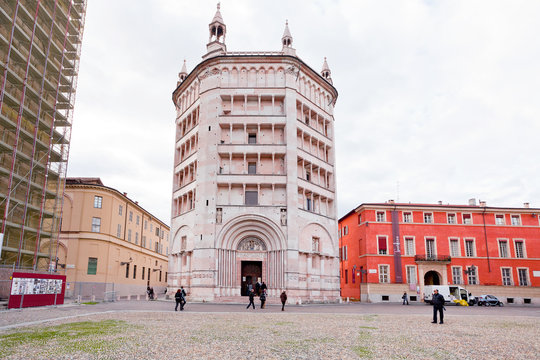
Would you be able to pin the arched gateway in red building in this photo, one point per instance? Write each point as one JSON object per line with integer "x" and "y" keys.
{"x": 432, "y": 278}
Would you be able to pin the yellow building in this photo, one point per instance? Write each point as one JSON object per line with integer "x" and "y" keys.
{"x": 110, "y": 247}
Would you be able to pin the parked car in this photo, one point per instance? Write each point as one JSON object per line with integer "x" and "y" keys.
{"x": 488, "y": 300}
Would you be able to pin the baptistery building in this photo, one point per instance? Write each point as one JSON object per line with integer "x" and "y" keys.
{"x": 253, "y": 196}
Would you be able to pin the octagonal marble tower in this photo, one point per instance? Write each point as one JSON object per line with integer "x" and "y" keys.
{"x": 254, "y": 177}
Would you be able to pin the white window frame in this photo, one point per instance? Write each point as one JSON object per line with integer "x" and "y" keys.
{"x": 387, "y": 248}
{"x": 511, "y": 276}
{"x": 515, "y": 216}
{"x": 413, "y": 245}
{"x": 346, "y": 230}
{"x": 405, "y": 219}
{"x": 385, "y": 280}
{"x": 463, "y": 218}
{"x": 524, "y": 249}
{"x": 98, "y": 202}
{"x": 120, "y": 210}
{"x": 415, "y": 274}
{"x": 527, "y": 273}
{"x": 434, "y": 238}
{"x": 345, "y": 253}
{"x": 129, "y": 235}
{"x": 383, "y": 216}
{"x": 96, "y": 224}
{"x": 430, "y": 216}
{"x": 503, "y": 219}
{"x": 119, "y": 230}
{"x": 473, "y": 240}
{"x": 460, "y": 268}
{"x": 503, "y": 240}
{"x": 450, "y": 239}
{"x": 131, "y": 216}
{"x": 476, "y": 277}
{"x": 448, "y": 218}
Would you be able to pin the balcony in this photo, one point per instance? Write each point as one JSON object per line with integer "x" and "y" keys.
{"x": 432, "y": 258}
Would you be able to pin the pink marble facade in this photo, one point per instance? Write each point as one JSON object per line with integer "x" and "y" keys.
{"x": 254, "y": 164}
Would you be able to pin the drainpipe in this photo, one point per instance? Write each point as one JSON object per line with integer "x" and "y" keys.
{"x": 485, "y": 238}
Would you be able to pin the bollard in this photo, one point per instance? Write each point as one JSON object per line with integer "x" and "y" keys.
{"x": 22, "y": 301}
{"x": 55, "y": 296}
{"x": 79, "y": 299}
{"x": 93, "y": 297}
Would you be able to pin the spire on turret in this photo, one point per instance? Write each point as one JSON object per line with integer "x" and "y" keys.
{"x": 216, "y": 41}
{"x": 182, "y": 75}
{"x": 286, "y": 41}
{"x": 325, "y": 72}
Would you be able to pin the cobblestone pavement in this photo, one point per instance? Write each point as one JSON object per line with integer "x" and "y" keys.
{"x": 152, "y": 330}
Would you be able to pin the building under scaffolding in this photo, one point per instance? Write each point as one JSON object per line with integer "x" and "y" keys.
{"x": 40, "y": 47}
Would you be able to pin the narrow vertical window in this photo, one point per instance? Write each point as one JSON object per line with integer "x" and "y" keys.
{"x": 134, "y": 271}
{"x": 97, "y": 202}
{"x": 381, "y": 216}
{"x": 430, "y": 248}
{"x": 383, "y": 274}
{"x": 503, "y": 248}
{"x": 118, "y": 230}
{"x": 92, "y": 266}
{"x": 382, "y": 245}
{"x": 127, "y": 271}
{"x": 506, "y": 276}
{"x": 451, "y": 218}
{"x": 407, "y": 217}
{"x": 346, "y": 276}
{"x": 454, "y": 247}
{"x": 469, "y": 248}
{"x": 523, "y": 277}
{"x": 411, "y": 275}
{"x": 456, "y": 275}
{"x": 428, "y": 218}
{"x": 520, "y": 253}
{"x": 409, "y": 246}
{"x": 120, "y": 209}
{"x": 143, "y": 272}
{"x": 473, "y": 279}
{"x": 96, "y": 224}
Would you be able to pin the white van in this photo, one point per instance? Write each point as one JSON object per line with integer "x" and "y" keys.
{"x": 449, "y": 292}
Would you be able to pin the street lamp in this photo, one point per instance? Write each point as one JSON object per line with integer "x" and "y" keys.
{"x": 127, "y": 262}
{"x": 472, "y": 270}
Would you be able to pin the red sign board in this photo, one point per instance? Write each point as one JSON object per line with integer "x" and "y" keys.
{"x": 29, "y": 290}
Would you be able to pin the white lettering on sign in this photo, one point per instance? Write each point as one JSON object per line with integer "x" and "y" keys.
{"x": 372, "y": 271}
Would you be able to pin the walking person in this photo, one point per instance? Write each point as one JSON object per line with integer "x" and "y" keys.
{"x": 178, "y": 299}
{"x": 438, "y": 306}
{"x": 263, "y": 286}
{"x": 257, "y": 288}
{"x": 405, "y": 298}
{"x": 263, "y": 298}
{"x": 251, "y": 298}
{"x": 283, "y": 298}
{"x": 182, "y": 298}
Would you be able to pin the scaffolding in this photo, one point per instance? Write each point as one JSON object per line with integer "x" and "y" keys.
{"x": 40, "y": 48}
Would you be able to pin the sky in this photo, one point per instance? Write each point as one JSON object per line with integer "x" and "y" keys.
{"x": 438, "y": 100}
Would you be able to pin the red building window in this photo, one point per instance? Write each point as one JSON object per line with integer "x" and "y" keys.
{"x": 346, "y": 276}
{"x": 382, "y": 245}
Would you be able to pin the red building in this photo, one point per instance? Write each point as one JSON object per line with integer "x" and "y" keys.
{"x": 390, "y": 248}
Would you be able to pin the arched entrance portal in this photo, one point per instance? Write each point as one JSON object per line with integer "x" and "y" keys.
{"x": 251, "y": 271}
{"x": 432, "y": 278}
{"x": 250, "y": 249}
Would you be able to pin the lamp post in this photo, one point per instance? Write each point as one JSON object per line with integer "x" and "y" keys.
{"x": 470, "y": 271}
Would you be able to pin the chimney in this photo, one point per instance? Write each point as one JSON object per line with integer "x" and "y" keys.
{"x": 125, "y": 194}
{"x": 472, "y": 202}
{"x": 136, "y": 203}
{"x": 439, "y": 202}
{"x": 526, "y": 205}
{"x": 482, "y": 203}
{"x": 391, "y": 201}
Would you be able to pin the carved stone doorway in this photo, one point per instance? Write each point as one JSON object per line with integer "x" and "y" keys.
{"x": 251, "y": 272}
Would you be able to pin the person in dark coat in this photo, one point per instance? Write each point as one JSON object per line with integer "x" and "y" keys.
{"x": 251, "y": 298}
{"x": 183, "y": 298}
{"x": 438, "y": 305}
{"x": 178, "y": 298}
{"x": 405, "y": 298}
{"x": 263, "y": 286}
{"x": 283, "y": 298}
{"x": 258, "y": 288}
{"x": 263, "y": 298}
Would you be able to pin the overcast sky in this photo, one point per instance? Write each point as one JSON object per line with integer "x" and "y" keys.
{"x": 438, "y": 100}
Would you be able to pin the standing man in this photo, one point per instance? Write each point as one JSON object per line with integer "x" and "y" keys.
{"x": 283, "y": 298}
{"x": 438, "y": 305}
{"x": 405, "y": 298}
{"x": 251, "y": 298}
